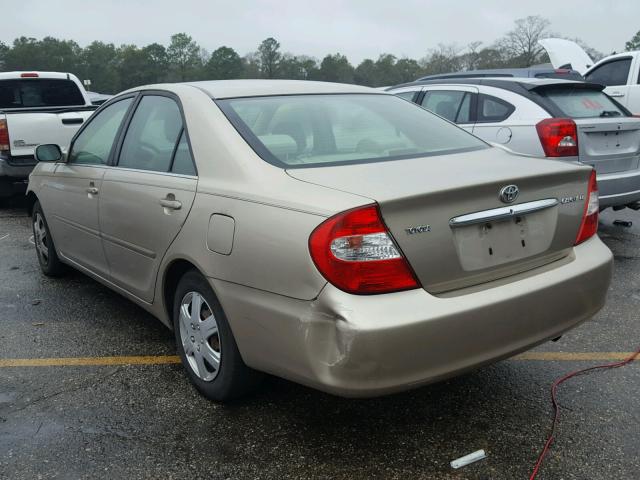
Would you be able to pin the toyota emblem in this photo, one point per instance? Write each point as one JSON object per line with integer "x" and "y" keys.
{"x": 509, "y": 193}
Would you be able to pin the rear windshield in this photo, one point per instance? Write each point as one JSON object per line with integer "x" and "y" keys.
{"x": 39, "y": 92}
{"x": 313, "y": 130}
{"x": 582, "y": 103}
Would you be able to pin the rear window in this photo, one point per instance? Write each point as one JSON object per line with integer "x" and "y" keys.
{"x": 581, "y": 103}
{"x": 39, "y": 92}
{"x": 313, "y": 130}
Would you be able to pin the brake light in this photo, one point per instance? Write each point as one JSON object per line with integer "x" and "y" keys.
{"x": 4, "y": 136}
{"x": 29, "y": 75}
{"x": 355, "y": 252}
{"x": 589, "y": 225}
{"x": 559, "y": 137}
{"x": 562, "y": 71}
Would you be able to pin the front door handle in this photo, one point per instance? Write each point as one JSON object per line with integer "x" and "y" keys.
{"x": 92, "y": 190}
{"x": 171, "y": 204}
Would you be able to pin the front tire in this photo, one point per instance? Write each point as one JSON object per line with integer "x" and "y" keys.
{"x": 48, "y": 259}
{"x": 205, "y": 343}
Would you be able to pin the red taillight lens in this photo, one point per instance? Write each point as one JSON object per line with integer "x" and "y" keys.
{"x": 559, "y": 137}
{"x": 355, "y": 252}
{"x": 4, "y": 136}
{"x": 589, "y": 225}
{"x": 29, "y": 75}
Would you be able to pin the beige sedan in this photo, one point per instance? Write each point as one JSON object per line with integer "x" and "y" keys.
{"x": 334, "y": 235}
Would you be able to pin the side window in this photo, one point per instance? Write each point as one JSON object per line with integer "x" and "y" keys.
{"x": 492, "y": 109}
{"x": 611, "y": 73}
{"x": 407, "y": 95}
{"x": 182, "y": 161}
{"x": 447, "y": 104}
{"x": 93, "y": 145}
{"x": 152, "y": 135}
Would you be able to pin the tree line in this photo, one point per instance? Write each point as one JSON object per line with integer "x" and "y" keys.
{"x": 112, "y": 69}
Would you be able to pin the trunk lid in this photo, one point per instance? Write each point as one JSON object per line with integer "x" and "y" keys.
{"x": 426, "y": 204}
{"x": 566, "y": 54}
{"x": 609, "y": 144}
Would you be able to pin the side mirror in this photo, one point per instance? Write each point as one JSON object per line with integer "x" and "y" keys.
{"x": 49, "y": 152}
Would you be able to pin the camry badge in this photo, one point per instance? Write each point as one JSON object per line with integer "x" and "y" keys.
{"x": 509, "y": 193}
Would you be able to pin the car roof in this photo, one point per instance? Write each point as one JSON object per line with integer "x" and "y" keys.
{"x": 256, "y": 88}
{"x": 518, "y": 85}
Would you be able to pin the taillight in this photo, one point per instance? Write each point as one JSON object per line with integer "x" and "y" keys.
{"x": 589, "y": 225}
{"x": 4, "y": 136}
{"x": 29, "y": 75}
{"x": 559, "y": 137}
{"x": 355, "y": 252}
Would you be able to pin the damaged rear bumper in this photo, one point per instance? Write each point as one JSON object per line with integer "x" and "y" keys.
{"x": 372, "y": 345}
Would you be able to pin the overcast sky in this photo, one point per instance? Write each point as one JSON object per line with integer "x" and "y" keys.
{"x": 357, "y": 28}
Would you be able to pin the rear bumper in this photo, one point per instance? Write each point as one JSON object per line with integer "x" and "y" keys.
{"x": 15, "y": 172}
{"x": 372, "y": 345}
{"x": 621, "y": 188}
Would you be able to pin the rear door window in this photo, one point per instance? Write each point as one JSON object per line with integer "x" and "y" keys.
{"x": 39, "y": 92}
{"x": 451, "y": 104}
{"x": 493, "y": 109}
{"x": 582, "y": 103}
{"x": 612, "y": 73}
{"x": 152, "y": 135}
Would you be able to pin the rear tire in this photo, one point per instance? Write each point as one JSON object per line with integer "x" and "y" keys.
{"x": 206, "y": 345}
{"x": 48, "y": 259}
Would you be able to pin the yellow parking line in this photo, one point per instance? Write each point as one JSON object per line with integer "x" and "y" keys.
{"x": 574, "y": 356}
{"x": 172, "y": 359}
{"x": 85, "y": 361}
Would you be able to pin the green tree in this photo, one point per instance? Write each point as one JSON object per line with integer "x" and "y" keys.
{"x": 634, "y": 43}
{"x": 366, "y": 73}
{"x": 155, "y": 56}
{"x": 251, "y": 65}
{"x": 184, "y": 56}
{"x": 4, "y": 50}
{"x": 98, "y": 63}
{"x": 408, "y": 70}
{"x": 224, "y": 63}
{"x": 336, "y": 68}
{"x": 270, "y": 56}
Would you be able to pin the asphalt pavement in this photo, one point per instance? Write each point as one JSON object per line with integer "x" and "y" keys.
{"x": 146, "y": 421}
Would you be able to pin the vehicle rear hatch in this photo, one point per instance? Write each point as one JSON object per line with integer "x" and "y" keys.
{"x": 608, "y": 136}
{"x": 427, "y": 202}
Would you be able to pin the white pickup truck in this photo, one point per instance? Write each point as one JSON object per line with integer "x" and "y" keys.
{"x": 620, "y": 73}
{"x": 35, "y": 108}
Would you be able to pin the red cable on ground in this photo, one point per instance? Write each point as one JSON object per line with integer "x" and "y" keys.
{"x": 556, "y": 408}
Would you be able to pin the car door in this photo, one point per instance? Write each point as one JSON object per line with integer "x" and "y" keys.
{"x": 491, "y": 116}
{"x": 455, "y": 103}
{"x": 71, "y": 194}
{"x": 616, "y": 75}
{"x": 146, "y": 196}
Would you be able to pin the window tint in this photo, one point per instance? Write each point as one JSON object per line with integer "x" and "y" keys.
{"x": 152, "y": 135}
{"x": 407, "y": 95}
{"x": 302, "y": 130}
{"x": 182, "y": 162}
{"x": 492, "y": 109}
{"x": 93, "y": 145}
{"x": 611, "y": 73}
{"x": 452, "y": 105}
{"x": 581, "y": 103}
{"x": 39, "y": 92}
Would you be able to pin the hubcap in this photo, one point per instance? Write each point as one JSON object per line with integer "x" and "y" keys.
{"x": 40, "y": 238}
{"x": 199, "y": 336}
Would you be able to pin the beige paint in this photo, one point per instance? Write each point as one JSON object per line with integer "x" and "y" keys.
{"x": 286, "y": 319}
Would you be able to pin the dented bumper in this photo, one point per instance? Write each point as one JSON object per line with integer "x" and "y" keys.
{"x": 372, "y": 345}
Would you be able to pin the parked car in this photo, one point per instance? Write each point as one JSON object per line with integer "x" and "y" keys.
{"x": 35, "y": 108}
{"x": 334, "y": 235}
{"x": 545, "y": 117}
{"x": 531, "y": 72}
{"x": 619, "y": 73}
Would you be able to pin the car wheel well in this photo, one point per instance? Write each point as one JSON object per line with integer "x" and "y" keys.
{"x": 172, "y": 276}
{"x": 31, "y": 201}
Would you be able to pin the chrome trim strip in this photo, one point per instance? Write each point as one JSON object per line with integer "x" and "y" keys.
{"x": 502, "y": 213}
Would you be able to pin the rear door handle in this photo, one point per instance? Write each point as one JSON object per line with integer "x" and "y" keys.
{"x": 171, "y": 204}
